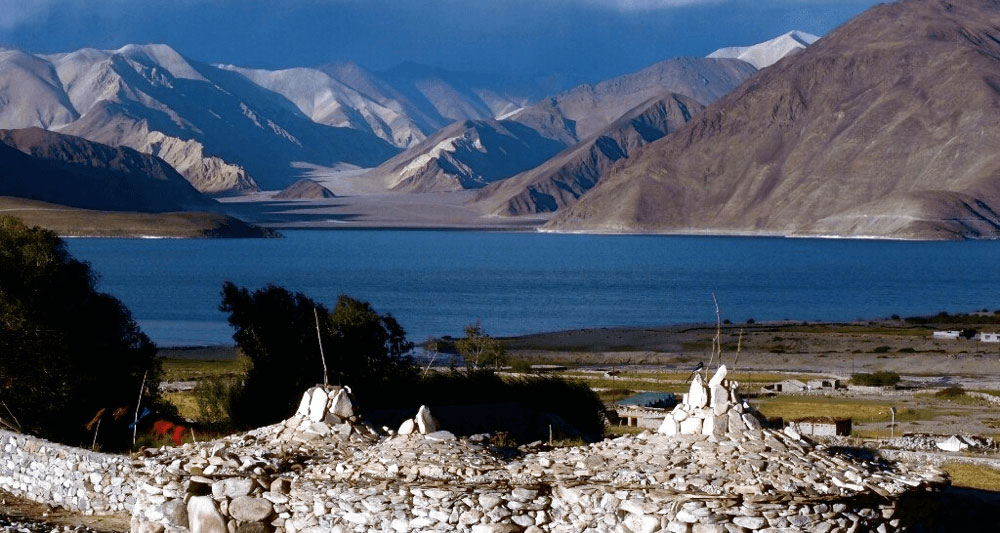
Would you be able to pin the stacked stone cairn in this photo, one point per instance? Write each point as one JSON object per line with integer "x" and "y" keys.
{"x": 713, "y": 410}
{"x": 710, "y": 468}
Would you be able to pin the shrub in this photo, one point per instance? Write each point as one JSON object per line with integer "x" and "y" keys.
{"x": 881, "y": 349}
{"x": 877, "y": 379}
{"x": 68, "y": 353}
{"x": 215, "y": 396}
{"x": 572, "y": 401}
{"x": 520, "y": 366}
{"x": 950, "y": 393}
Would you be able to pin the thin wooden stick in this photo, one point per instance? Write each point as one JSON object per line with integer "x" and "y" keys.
{"x": 739, "y": 346}
{"x": 319, "y": 339}
{"x": 93, "y": 444}
{"x": 12, "y": 415}
{"x": 195, "y": 439}
{"x": 717, "y": 341}
{"x": 135, "y": 423}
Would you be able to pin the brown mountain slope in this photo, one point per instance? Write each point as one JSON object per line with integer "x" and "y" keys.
{"x": 560, "y": 181}
{"x": 886, "y": 127}
{"x": 52, "y": 167}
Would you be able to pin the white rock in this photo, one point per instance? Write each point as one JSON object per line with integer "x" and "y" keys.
{"x": 440, "y": 436}
{"x": 317, "y": 405}
{"x": 341, "y": 405}
{"x": 697, "y": 396}
{"x": 425, "y": 422}
{"x": 691, "y": 426}
{"x": 406, "y": 427}
{"x": 719, "y": 376}
{"x": 204, "y": 517}
{"x": 668, "y": 427}
{"x": 303, "y": 409}
{"x": 642, "y": 523}
{"x": 952, "y": 444}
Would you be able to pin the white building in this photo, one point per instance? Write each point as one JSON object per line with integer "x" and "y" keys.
{"x": 989, "y": 337}
{"x": 953, "y": 335}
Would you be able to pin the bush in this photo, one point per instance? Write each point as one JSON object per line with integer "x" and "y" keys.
{"x": 277, "y": 331}
{"x": 215, "y": 396}
{"x": 69, "y": 354}
{"x": 520, "y": 366}
{"x": 950, "y": 393}
{"x": 572, "y": 401}
{"x": 881, "y": 349}
{"x": 877, "y": 379}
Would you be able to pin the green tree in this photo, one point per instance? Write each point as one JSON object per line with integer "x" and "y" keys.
{"x": 478, "y": 348}
{"x": 276, "y": 331}
{"x": 68, "y": 351}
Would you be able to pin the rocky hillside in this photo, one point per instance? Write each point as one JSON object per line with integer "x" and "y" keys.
{"x": 222, "y": 132}
{"x": 42, "y": 165}
{"x": 886, "y": 127}
{"x": 472, "y": 154}
{"x": 587, "y": 109}
{"x": 560, "y": 181}
{"x": 467, "y": 155}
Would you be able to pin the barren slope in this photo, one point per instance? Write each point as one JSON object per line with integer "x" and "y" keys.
{"x": 560, "y": 181}
{"x": 886, "y": 127}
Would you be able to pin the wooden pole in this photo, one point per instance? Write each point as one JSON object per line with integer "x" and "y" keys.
{"x": 319, "y": 339}
{"x": 135, "y": 422}
{"x": 93, "y": 444}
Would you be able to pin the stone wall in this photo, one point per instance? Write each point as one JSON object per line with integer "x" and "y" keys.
{"x": 710, "y": 468}
{"x": 72, "y": 478}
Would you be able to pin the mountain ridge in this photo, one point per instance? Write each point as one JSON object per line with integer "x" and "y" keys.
{"x": 882, "y": 128}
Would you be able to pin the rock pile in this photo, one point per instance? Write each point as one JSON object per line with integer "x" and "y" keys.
{"x": 713, "y": 410}
{"x": 711, "y": 468}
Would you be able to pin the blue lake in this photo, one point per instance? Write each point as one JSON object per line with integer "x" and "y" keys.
{"x": 436, "y": 282}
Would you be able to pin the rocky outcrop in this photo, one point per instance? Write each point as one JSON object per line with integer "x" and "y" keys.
{"x": 305, "y": 189}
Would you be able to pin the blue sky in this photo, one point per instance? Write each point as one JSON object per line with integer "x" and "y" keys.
{"x": 585, "y": 39}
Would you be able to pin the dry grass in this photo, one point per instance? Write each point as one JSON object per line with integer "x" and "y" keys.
{"x": 973, "y": 476}
{"x": 185, "y": 403}
{"x": 860, "y": 411}
{"x": 193, "y": 369}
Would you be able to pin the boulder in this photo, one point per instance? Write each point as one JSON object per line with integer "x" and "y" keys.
{"x": 204, "y": 516}
{"x": 425, "y": 422}
{"x": 303, "y": 410}
{"x": 719, "y": 377}
{"x": 250, "y": 509}
{"x": 952, "y": 444}
{"x": 406, "y": 427}
{"x": 668, "y": 427}
{"x": 341, "y": 405}
{"x": 690, "y": 426}
{"x": 317, "y": 404}
{"x": 697, "y": 396}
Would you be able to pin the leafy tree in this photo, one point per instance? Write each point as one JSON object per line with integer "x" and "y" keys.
{"x": 277, "y": 331}
{"x": 479, "y": 348}
{"x": 68, "y": 351}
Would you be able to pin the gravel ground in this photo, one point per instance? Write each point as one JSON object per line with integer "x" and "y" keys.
{"x": 21, "y": 516}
